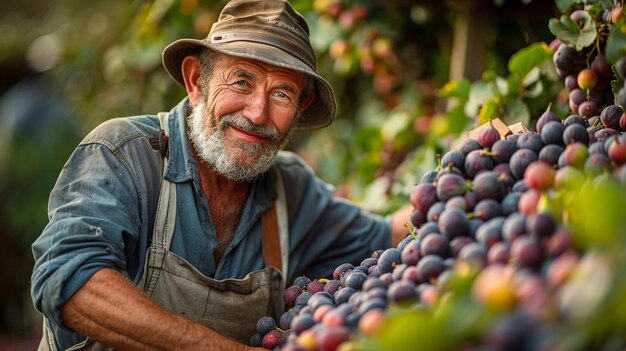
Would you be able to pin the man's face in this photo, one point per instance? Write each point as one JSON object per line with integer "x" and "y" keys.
{"x": 245, "y": 115}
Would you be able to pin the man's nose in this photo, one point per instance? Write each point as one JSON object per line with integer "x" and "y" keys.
{"x": 257, "y": 108}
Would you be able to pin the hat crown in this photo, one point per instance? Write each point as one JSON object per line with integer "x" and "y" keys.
{"x": 273, "y": 23}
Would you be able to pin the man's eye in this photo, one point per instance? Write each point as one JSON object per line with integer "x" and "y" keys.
{"x": 241, "y": 83}
{"x": 280, "y": 94}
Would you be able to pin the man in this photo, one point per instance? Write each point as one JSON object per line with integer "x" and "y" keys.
{"x": 180, "y": 231}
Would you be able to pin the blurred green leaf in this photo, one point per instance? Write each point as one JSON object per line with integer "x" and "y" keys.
{"x": 516, "y": 111}
{"x": 565, "y": 5}
{"x": 598, "y": 213}
{"x": 456, "y": 89}
{"x": 616, "y": 43}
{"x": 569, "y": 33}
{"x": 528, "y": 59}
{"x": 489, "y": 111}
{"x": 480, "y": 92}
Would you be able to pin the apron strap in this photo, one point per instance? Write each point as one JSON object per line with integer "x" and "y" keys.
{"x": 275, "y": 229}
{"x": 165, "y": 215}
{"x": 166, "y": 208}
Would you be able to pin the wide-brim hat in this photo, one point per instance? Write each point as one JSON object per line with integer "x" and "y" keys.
{"x": 268, "y": 31}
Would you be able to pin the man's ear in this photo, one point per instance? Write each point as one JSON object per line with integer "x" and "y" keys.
{"x": 191, "y": 72}
{"x": 308, "y": 101}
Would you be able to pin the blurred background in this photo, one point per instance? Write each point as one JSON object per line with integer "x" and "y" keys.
{"x": 409, "y": 76}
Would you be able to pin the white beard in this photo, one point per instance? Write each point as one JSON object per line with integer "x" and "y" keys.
{"x": 241, "y": 162}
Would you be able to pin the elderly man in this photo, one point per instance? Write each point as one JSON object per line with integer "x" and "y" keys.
{"x": 179, "y": 231}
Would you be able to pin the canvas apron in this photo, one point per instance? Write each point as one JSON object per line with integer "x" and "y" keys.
{"x": 230, "y": 306}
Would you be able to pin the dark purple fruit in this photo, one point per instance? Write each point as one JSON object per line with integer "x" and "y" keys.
{"x": 342, "y": 295}
{"x": 513, "y": 227}
{"x": 265, "y": 324}
{"x": 502, "y": 150}
{"x": 290, "y": 294}
{"x": 434, "y": 244}
{"x": 574, "y": 119}
{"x": 411, "y": 253}
{"x": 389, "y": 259}
{"x": 552, "y": 133}
{"x": 520, "y": 160}
{"x": 427, "y": 228}
{"x": 526, "y": 252}
{"x": 576, "y": 97}
{"x": 611, "y": 115}
{"x": 435, "y": 211}
{"x": 302, "y": 281}
{"x": 588, "y": 109}
{"x": 510, "y": 203}
{"x": 488, "y": 136}
{"x": 530, "y": 141}
{"x": 458, "y": 243}
{"x": 355, "y": 279}
{"x": 487, "y": 209}
{"x": 342, "y": 269}
{"x": 418, "y": 217}
{"x": 575, "y": 133}
{"x": 504, "y": 175}
{"x": 429, "y": 267}
{"x": 476, "y": 161}
{"x": 429, "y": 177}
{"x": 547, "y": 116}
{"x": 487, "y": 185}
{"x": 499, "y": 253}
{"x": 469, "y": 145}
{"x": 423, "y": 196}
{"x": 453, "y": 158}
{"x": 272, "y": 339}
{"x": 450, "y": 185}
{"x": 542, "y": 224}
{"x": 402, "y": 292}
{"x": 453, "y": 222}
{"x": 550, "y": 154}
{"x": 332, "y": 286}
{"x": 474, "y": 254}
{"x": 490, "y": 232}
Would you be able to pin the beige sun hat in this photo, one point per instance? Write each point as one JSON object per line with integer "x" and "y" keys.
{"x": 270, "y": 31}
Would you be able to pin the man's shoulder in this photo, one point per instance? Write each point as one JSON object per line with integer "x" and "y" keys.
{"x": 288, "y": 160}
{"x": 118, "y": 131}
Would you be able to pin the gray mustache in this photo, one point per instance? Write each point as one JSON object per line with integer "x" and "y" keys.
{"x": 248, "y": 126}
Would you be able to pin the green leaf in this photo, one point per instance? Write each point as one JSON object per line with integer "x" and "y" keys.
{"x": 516, "y": 111}
{"x": 456, "y": 88}
{"x": 478, "y": 95}
{"x": 616, "y": 43}
{"x": 599, "y": 219}
{"x": 489, "y": 111}
{"x": 457, "y": 120}
{"x": 565, "y": 5}
{"x": 569, "y": 33}
{"x": 524, "y": 61}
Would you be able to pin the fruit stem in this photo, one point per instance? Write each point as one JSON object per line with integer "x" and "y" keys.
{"x": 411, "y": 231}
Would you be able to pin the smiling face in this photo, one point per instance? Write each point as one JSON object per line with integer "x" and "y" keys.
{"x": 243, "y": 115}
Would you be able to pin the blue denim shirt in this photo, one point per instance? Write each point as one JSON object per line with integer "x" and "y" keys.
{"x": 103, "y": 205}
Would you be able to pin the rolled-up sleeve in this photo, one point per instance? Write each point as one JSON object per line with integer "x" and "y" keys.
{"x": 93, "y": 218}
{"x": 326, "y": 231}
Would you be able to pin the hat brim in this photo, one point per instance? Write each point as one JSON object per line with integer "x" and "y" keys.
{"x": 319, "y": 114}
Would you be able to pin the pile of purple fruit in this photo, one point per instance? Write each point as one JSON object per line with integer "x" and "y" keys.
{"x": 495, "y": 213}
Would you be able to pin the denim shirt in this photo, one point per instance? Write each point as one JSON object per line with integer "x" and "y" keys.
{"x": 103, "y": 205}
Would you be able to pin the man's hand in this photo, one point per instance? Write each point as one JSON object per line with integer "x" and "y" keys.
{"x": 399, "y": 221}
{"x": 109, "y": 309}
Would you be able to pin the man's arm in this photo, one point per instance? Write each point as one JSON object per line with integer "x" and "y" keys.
{"x": 109, "y": 309}
{"x": 399, "y": 221}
